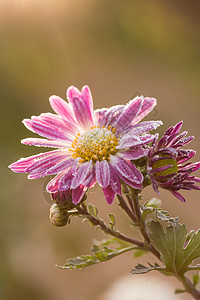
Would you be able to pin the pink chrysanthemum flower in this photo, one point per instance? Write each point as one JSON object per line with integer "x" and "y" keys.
{"x": 166, "y": 162}
{"x": 93, "y": 145}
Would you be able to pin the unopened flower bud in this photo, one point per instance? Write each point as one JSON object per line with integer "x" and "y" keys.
{"x": 64, "y": 199}
{"x": 58, "y": 215}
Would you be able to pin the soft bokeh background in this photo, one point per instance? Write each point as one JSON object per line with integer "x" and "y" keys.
{"x": 118, "y": 48}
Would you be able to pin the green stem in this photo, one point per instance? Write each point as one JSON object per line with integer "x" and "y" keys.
{"x": 98, "y": 222}
{"x": 141, "y": 223}
{"x": 189, "y": 287}
{"x": 125, "y": 207}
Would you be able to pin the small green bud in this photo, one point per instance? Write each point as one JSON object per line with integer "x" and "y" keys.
{"x": 58, "y": 215}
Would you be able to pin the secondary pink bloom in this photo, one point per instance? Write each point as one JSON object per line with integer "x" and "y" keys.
{"x": 92, "y": 145}
{"x": 166, "y": 162}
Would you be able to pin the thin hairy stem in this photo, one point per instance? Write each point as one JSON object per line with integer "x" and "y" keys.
{"x": 126, "y": 209}
{"x": 98, "y": 222}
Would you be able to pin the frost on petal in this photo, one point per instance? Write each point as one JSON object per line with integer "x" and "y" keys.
{"x": 52, "y": 186}
{"x": 126, "y": 169}
{"x": 82, "y": 172}
{"x": 90, "y": 179}
{"x": 43, "y": 128}
{"x": 103, "y": 173}
{"x": 127, "y": 116}
{"x": 78, "y": 193}
{"x": 45, "y": 143}
{"x": 133, "y": 154}
{"x": 81, "y": 107}
{"x": 109, "y": 194}
{"x": 62, "y": 108}
{"x": 23, "y": 164}
{"x": 144, "y": 127}
{"x": 115, "y": 182}
{"x": 147, "y": 107}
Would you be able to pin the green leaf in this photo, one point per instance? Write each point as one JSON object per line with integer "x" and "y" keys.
{"x": 101, "y": 253}
{"x": 171, "y": 244}
{"x": 112, "y": 220}
{"x": 154, "y": 203}
{"x": 179, "y": 291}
{"x": 92, "y": 210}
{"x": 196, "y": 278}
{"x": 140, "y": 269}
{"x": 139, "y": 253}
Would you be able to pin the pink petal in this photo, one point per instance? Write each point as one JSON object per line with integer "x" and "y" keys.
{"x": 115, "y": 182}
{"x": 178, "y": 195}
{"x": 37, "y": 125}
{"x": 126, "y": 169}
{"x": 90, "y": 180}
{"x": 60, "y": 166}
{"x": 81, "y": 108}
{"x": 128, "y": 141}
{"x": 82, "y": 172}
{"x": 102, "y": 173}
{"x": 133, "y": 154}
{"x": 22, "y": 164}
{"x": 78, "y": 193}
{"x": 65, "y": 180}
{"x": 62, "y": 108}
{"x": 87, "y": 97}
{"x": 128, "y": 115}
{"x": 144, "y": 127}
{"x": 109, "y": 194}
{"x": 45, "y": 143}
{"x": 47, "y": 161}
{"x": 52, "y": 186}
{"x": 147, "y": 107}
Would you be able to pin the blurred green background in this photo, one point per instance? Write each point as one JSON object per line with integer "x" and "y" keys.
{"x": 119, "y": 48}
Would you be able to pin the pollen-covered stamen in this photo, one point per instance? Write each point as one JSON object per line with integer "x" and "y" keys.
{"x": 95, "y": 144}
{"x": 164, "y": 168}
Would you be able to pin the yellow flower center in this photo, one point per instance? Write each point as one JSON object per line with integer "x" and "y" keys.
{"x": 162, "y": 163}
{"x": 95, "y": 144}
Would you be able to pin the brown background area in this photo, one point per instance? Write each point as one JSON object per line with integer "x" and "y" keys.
{"x": 118, "y": 48}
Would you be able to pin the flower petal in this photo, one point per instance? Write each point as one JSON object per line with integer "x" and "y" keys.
{"x": 90, "y": 180}
{"x": 22, "y": 164}
{"x": 144, "y": 127}
{"x": 82, "y": 172}
{"x": 45, "y": 143}
{"x": 115, "y": 182}
{"x": 128, "y": 141}
{"x": 52, "y": 186}
{"x": 126, "y": 169}
{"x": 45, "y": 129}
{"x": 78, "y": 193}
{"x": 147, "y": 107}
{"x": 62, "y": 108}
{"x": 134, "y": 153}
{"x": 81, "y": 107}
{"x": 102, "y": 173}
{"x": 109, "y": 194}
{"x": 129, "y": 114}
{"x": 178, "y": 195}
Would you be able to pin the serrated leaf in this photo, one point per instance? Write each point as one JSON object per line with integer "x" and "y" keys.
{"x": 141, "y": 269}
{"x": 100, "y": 255}
{"x": 171, "y": 244}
